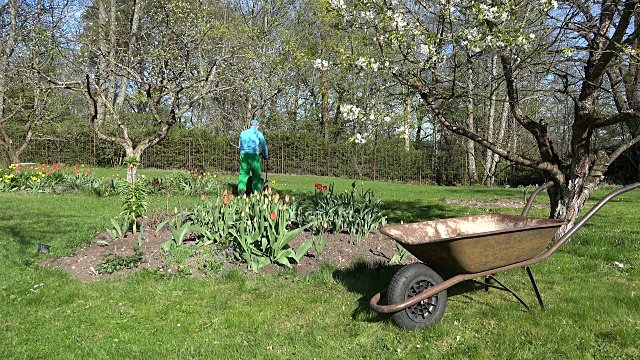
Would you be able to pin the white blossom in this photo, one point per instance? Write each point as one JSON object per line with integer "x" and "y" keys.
{"x": 427, "y": 50}
{"x": 350, "y": 112}
{"x": 338, "y": 4}
{"x": 361, "y": 138}
{"x": 367, "y": 63}
{"x": 398, "y": 18}
{"x": 320, "y": 64}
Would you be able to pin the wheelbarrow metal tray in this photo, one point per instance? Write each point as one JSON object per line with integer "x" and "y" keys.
{"x": 477, "y": 243}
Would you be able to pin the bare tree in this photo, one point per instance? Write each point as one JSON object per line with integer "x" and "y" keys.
{"x": 144, "y": 65}
{"x": 24, "y": 97}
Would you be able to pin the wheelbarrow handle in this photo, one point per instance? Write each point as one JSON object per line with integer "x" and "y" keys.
{"x": 527, "y": 207}
{"x": 588, "y": 216}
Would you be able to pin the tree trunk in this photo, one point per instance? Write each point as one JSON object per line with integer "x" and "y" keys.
{"x": 325, "y": 86}
{"x": 13, "y": 157}
{"x": 470, "y": 144}
{"x": 489, "y": 167}
{"x": 407, "y": 124}
{"x": 501, "y": 132}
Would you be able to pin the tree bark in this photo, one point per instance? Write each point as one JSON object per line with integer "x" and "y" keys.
{"x": 325, "y": 86}
{"x": 469, "y": 143}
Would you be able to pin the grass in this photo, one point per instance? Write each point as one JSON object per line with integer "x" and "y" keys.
{"x": 593, "y": 305}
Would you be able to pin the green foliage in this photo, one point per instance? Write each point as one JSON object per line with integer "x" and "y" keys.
{"x": 402, "y": 253}
{"x": 218, "y": 219}
{"x": 134, "y": 201}
{"x": 130, "y": 160}
{"x": 115, "y": 263}
{"x": 179, "y": 231}
{"x": 187, "y": 183}
{"x": 357, "y": 213}
{"x": 140, "y": 238}
{"x": 262, "y": 235}
{"x": 119, "y": 230}
{"x": 258, "y": 227}
{"x": 384, "y": 159}
{"x": 319, "y": 242}
{"x": 47, "y": 179}
{"x": 194, "y": 259}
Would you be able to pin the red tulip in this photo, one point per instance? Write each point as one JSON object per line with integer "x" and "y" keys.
{"x": 273, "y": 216}
{"x": 324, "y": 188}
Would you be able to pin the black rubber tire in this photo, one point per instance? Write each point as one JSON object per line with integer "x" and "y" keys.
{"x": 411, "y": 280}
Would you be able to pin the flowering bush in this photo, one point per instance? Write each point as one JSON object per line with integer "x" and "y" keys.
{"x": 356, "y": 213}
{"x": 45, "y": 178}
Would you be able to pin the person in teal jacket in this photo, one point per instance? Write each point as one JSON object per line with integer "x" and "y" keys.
{"x": 251, "y": 142}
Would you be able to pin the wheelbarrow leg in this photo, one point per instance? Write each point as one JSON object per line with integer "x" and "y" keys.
{"x": 502, "y": 287}
{"x": 535, "y": 286}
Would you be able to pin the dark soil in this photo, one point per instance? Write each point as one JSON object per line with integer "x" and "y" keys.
{"x": 375, "y": 249}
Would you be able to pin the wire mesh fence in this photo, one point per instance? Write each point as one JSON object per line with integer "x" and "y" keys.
{"x": 300, "y": 154}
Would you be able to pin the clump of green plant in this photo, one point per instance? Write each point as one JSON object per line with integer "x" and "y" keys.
{"x": 113, "y": 263}
{"x": 357, "y": 213}
{"x": 130, "y": 160}
{"x": 46, "y": 178}
{"x": 179, "y": 230}
{"x": 263, "y": 235}
{"x": 319, "y": 242}
{"x": 402, "y": 253}
{"x": 134, "y": 202}
{"x": 218, "y": 218}
{"x": 207, "y": 260}
{"x": 119, "y": 230}
{"x": 259, "y": 227}
{"x": 79, "y": 181}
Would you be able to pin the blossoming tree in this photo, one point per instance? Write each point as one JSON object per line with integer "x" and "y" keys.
{"x": 584, "y": 52}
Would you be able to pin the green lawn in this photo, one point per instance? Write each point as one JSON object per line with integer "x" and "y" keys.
{"x": 593, "y": 304}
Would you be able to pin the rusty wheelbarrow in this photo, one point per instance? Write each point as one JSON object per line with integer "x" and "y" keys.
{"x": 467, "y": 248}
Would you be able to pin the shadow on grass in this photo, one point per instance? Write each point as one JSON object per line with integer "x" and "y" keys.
{"x": 368, "y": 280}
{"x": 28, "y": 233}
{"x": 413, "y": 211}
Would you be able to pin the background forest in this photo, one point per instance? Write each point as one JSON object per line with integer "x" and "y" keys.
{"x": 451, "y": 92}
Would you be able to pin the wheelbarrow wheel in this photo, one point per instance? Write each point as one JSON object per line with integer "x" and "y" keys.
{"x": 410, "y": 281}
